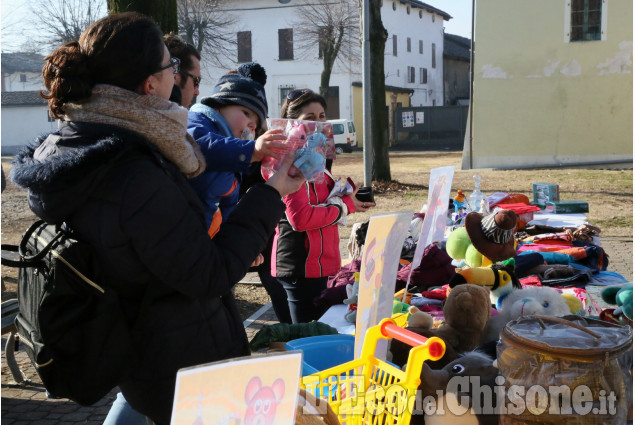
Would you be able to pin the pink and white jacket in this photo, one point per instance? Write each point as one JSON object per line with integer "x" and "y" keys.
{"x": 306, "y": 243}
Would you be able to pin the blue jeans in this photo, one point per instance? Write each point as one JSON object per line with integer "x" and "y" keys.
{"x": 300, "y": 294}
{"x": 121, "y": 413}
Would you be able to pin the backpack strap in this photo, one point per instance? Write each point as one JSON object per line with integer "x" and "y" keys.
{"x": 26, "y": 260}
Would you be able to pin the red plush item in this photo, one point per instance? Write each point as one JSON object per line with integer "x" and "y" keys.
{"x": 435, "y": 294}
{"x": 530, "y": 281}
{"x": 608, "y": 316}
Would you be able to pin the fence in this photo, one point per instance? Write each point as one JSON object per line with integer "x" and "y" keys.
{"x": 432, "y": 127}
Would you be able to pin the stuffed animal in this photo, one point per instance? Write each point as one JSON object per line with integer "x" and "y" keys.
{"x": 308, "y": 158}
{"x": 500, "y": 279}
{"x": 535, "y": 300}
{"x": 419, "y": 319}
{"x": 466, "y": 311}
{"x": 352, "y": 291}
{"x": 459, "y": 247}
{"x": 456, "y": 383}
{"x": 622, "y": 296}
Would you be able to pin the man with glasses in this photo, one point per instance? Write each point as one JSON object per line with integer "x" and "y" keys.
{"x": 188, "y": 79}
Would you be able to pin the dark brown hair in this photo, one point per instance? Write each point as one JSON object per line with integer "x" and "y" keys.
{"x": 184, "y": 51}
{"x": 121, "y": 50}
{"x": 293, "y": 108}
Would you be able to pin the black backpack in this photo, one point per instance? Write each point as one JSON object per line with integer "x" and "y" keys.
{"x": 71, "y": 324}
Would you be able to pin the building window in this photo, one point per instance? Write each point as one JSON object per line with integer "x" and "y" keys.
{"x": 408, "y": 44}
{"x": 408, "y": 9}
{"x": 420, "y": 14}
{"x": 285, "y": 44}
{"x": 411, "y": 74}
{"x": 423, "y": 75}
{"x": 23, "y": 78}
{"x": 284, "y": 91}
{"x": 394, "y": 44}
{"x": 434, "y": 55}
{"x": 433, "y": 17}
{"x": 421, "y": 47}
{"x": 49, "y": 118}
{"x": 244, "y": 46}
{"x": 586, "y": 20}
{"x": 394, "y": 5}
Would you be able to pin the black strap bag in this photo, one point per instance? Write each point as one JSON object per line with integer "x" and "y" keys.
{"x": 71, "y": 324}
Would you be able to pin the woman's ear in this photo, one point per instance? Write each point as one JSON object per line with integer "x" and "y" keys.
{"x": 148, "y": 87}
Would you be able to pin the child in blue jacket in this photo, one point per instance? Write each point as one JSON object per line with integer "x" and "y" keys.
{"x": 223, "y": 124}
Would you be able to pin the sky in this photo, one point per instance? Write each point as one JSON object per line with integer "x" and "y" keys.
{"x": 461, "y": 12}
{"x": 15, "y": 13}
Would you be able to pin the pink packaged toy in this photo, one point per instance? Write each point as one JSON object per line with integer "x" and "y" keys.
{"x": 308, "y": 141}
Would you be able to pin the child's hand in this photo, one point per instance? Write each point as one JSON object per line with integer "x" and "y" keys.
{"x": 267, "y": 144}
{"x": 288, "y": 179}
{"x": 258, "y": 261}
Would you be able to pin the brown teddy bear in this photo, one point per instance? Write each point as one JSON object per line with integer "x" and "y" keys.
{"x": 466, "y": 311}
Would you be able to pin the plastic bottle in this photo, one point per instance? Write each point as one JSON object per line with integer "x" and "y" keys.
{"x": 476, "y": 196}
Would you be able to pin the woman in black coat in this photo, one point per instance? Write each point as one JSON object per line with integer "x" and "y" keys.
{"x": 115, "y": 173}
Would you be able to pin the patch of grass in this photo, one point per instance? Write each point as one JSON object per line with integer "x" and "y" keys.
{"x": 412, "y": 195}
{"x": 608, "y": 192}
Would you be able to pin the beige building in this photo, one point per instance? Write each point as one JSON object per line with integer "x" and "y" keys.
{"x": 553, "y": 84}
{"x": 395, "y": 97}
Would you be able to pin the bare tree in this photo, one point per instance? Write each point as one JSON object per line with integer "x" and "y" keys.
{"x": 209, "y": 28}
{"x": 57, "y": 21}
{"x": 162, "y": 11}
{"x": 333, "y": 27}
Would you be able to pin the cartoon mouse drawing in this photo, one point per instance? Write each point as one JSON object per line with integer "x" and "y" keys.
{"x": 262, "y": 401}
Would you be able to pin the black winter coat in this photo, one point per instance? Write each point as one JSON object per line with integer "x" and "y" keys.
{"x": 117, "y": 192}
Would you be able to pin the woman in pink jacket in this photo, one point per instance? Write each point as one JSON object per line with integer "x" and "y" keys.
{"x": 306, "y": 245}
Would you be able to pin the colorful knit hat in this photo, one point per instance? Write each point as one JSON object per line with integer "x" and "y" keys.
{"x": 244, "y": 88}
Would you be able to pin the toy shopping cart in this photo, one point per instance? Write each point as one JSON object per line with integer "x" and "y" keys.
{"x": 370, "y": 391}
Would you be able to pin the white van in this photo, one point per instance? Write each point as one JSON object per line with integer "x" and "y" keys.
{"x": 344, "y": 135}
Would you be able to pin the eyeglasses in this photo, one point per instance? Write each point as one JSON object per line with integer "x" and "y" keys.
{"x": 293, "y": 95}
{"x": 195, "y": 79}
{"x": 174, "y": 63}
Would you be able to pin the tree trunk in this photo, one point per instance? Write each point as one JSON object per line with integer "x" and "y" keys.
{"x": 379, "y": 121}
{"x": 331, "y": 48}
{"x": 162, "y": 11}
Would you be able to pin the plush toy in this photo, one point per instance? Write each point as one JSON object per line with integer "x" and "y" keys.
{"x": 454, "y": 391}
{"x": 308, "y": 158}
{"x": 622, "y": 296}
{"x": 466, "y": 311}
{"x": 574, "y": 303}
{"x": 500, "y": 279}
{"x": 493, "y": 235}
{"x": 535, "y": 300}
{"x": 419, "y": 319}
{"x": 352, "y": 291}
{"x": 459, "y": 247}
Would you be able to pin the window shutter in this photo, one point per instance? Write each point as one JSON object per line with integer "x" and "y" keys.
{"x": 285, "y": 43}
{"x": 244, "y": 46}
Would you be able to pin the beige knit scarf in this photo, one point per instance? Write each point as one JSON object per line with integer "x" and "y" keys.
{"x": 161, "y": 122}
